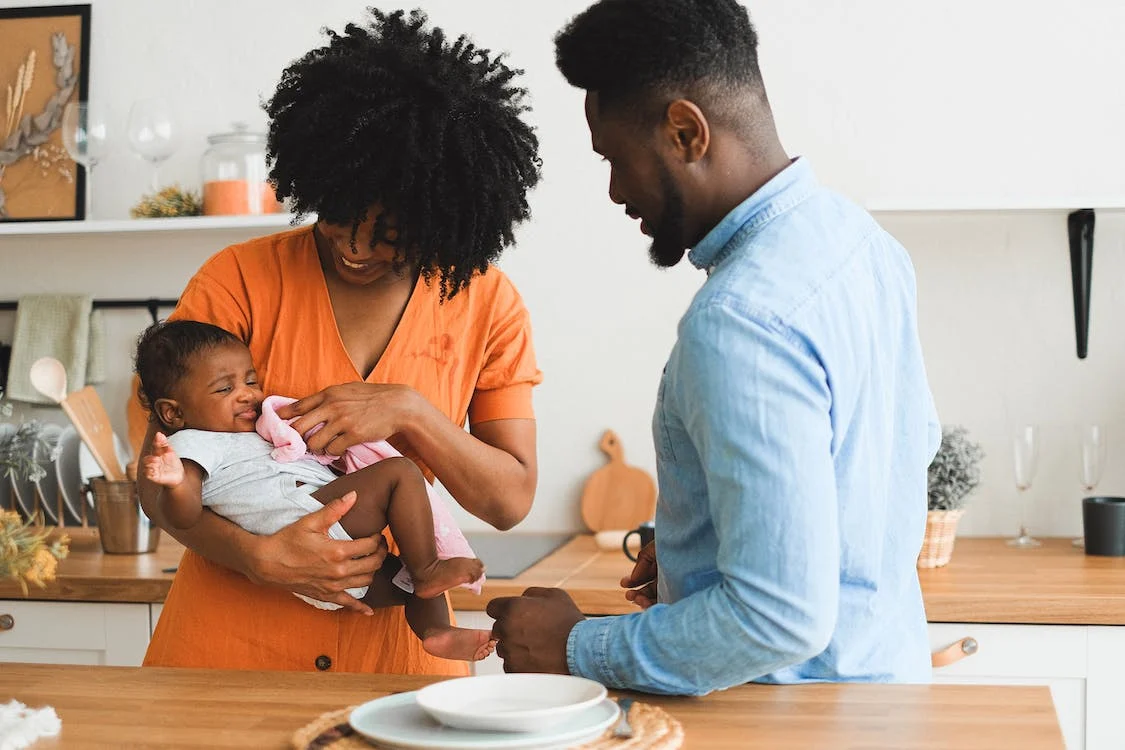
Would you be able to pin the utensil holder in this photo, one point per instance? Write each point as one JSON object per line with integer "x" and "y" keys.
{"x": 123, "y": 527}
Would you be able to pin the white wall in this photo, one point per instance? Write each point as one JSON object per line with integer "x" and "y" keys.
{"x": 994, "y": 287}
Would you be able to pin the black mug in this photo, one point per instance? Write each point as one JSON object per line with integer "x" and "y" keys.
{"x": 1103, "y": 524}
{"x": 646, "y": 531}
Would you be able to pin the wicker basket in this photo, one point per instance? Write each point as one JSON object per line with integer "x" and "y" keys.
{"x": 941, "y": 532}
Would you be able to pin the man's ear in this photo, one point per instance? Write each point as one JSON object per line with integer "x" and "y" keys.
{"x": 687, "y": 131}
{"x": 169, "y": 413}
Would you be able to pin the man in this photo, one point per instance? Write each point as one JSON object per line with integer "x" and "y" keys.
{"x": 794, "y": 423}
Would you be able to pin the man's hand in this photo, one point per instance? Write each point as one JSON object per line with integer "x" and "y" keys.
{"x": 302, "y": 558}
{"x": 642, "y": 581}
{"x": 162, "y": 466}
{"x": 532, "y": 630}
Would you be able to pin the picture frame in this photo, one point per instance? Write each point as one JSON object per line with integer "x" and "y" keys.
{"x": 44, "y": 64}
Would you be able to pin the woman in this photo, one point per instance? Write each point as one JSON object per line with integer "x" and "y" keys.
{"x": 387, "y": 318}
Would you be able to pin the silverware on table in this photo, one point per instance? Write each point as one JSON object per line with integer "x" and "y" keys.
{"x": 622, "y": 728}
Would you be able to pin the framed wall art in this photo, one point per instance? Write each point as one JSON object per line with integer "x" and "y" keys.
{"x": 44, "y": 64}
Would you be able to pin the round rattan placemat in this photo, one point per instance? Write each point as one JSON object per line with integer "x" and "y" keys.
{"x": 653, "y": 729}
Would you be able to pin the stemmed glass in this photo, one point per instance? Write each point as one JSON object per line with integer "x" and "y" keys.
{"x": 85, "y": 135}
{"x": 152, "y": 133}
{"x": 1093, "y": 462}
{"x": 1025, "y": 451}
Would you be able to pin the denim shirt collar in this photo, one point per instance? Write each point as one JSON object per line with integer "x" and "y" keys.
{"x": 788, "y": 188}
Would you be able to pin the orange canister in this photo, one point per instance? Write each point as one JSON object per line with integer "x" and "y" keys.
{"x": 235, "y": 174}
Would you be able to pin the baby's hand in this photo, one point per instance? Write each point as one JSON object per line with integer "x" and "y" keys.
{"x": 162, "y": 465}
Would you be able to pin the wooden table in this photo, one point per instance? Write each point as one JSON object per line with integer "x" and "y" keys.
{"x": 165, "y": 708}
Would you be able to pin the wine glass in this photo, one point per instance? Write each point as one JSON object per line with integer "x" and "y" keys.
{"x": 1093, "y": 454}
{"x": 85, "y": 135}
{"x": 1025, "y": 451}
{"x": 152, "y": 133}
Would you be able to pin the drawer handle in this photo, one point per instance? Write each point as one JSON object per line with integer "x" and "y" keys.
{"x": 7, "y": 622}
{"x": 955, "y": 652}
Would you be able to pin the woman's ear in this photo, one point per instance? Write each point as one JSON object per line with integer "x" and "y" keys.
{"x": 169, "y": 413}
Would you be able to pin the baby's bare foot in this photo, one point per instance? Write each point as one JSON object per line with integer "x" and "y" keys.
{"x": 462, "y": 644}
{"x": 446, "y": 574}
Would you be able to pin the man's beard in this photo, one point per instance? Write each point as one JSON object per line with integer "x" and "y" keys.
{"x": 668, "y": 238}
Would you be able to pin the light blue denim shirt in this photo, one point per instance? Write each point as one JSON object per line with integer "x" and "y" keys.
{"x": 793, "y": 429}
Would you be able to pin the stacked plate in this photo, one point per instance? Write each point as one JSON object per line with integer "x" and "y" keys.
{"x": 60, "y": 494}
{"x": 497, "y": 712}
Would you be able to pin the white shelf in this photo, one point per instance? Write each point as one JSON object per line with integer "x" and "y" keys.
{"x": 1103, "y": 203}
{"x": 121, "y": 226}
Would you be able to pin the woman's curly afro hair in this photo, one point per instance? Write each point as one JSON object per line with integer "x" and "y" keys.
{"x": 395, "y": 113}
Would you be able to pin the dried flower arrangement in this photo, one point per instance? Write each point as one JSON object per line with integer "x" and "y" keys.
{"x": 26, "y": 134}
{"x": 26, "y": 555}
{"x": 171, "y": 201}
{"x": 955, "y": 471}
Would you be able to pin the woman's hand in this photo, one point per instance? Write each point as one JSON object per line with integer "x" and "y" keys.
{"x": 352, "y": 413}
{"x": 302, "y": 558}
{"x": 642, "y": 581}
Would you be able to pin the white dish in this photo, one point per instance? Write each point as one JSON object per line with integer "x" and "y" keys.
{"x": 7, "y": 502}
{"x": 48, "y": 484}
{"x": 509, "y": 702}
{"x": 398, "y": 722}
{"x": 69, "y": 476}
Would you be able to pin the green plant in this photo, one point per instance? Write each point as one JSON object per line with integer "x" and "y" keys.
{"x": 955, "y": 471}
{"x": 171, "y": 201}
{"x": 16, "y": 453}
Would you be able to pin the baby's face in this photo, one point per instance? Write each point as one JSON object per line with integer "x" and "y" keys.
{"x": 220, "y": 391}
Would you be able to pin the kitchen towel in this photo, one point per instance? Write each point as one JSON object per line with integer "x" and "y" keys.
{"x": 63, "y": 326}
{"x": 21, "y": 726}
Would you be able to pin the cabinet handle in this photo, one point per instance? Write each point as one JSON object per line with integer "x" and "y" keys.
{"x": 7, "y": 622}
{"x": 955, "y": 652}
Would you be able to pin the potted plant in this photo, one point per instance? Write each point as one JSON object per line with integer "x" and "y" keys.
{"x": 953, "y": 475}
{"x": 26, "y": 553}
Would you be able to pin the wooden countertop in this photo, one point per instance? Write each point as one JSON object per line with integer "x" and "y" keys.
{"x": 1055, "y": 584}
{"x": 986, "y": 581}
{"x": 164, "y": 708}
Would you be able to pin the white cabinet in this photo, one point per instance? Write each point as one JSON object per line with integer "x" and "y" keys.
{"x": 467, "y": 619}
{"x": 1083, "y": 665}
{"x": 73, "y": 632}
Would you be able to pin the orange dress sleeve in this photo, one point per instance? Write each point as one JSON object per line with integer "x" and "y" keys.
{"x": 503, "y": 387}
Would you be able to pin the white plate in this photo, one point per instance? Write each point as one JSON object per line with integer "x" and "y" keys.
{"x": 48, "y": 485}
{"x": 88, "y": 465}
{"x": 509, "y": 702}
{"x": 7, "y": 502}
{"x": 69, "y": 476}
{"x": 398, "y": 722}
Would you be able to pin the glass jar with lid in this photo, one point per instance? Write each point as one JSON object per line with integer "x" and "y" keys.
{"x": 234, "y": 174}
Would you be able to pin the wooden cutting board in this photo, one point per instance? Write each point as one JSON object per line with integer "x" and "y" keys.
{"x": 617, "y": 496}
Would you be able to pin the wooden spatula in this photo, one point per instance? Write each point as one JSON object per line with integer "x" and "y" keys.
{"x": 85, "y": 410}
{"x": 617, "y": 496}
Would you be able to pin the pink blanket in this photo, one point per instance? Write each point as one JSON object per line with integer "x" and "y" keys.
{"x": 290, "y": 446}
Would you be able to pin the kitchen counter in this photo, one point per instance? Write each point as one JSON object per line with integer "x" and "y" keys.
{"x": 164, "y": 708}
{"x": 986, "y": 581}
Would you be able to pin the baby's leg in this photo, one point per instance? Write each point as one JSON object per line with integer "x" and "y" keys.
{"x": 429, "y": 619}
{"x": 393, "y": 492}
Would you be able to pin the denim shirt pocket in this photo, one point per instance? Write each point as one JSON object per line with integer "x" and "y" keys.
{"x": 661, "y": 436}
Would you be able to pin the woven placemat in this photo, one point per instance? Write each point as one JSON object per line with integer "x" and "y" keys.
{"x": 653, "y": 729}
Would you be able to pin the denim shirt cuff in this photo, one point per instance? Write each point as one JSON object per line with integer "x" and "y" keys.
{"x": 587, "y": 650}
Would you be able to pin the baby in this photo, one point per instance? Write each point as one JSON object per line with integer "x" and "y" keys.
{"x": 200, "y": 384}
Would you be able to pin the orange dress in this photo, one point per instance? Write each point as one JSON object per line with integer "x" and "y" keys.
{"x": 471, "y": 357}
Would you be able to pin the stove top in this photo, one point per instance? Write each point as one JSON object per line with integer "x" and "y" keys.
{"x": 507, "y": 554}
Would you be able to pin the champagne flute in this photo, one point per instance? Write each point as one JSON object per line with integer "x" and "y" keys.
{"x": 1093, "y": 462}
{"x": 1025, "y": 451}
{"x": 85, "y": 135}
{"x": 152, "y": 133}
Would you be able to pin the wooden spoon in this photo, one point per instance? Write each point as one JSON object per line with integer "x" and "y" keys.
{"x": 85, "y": 410}
{"x": 617, "y": 496}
